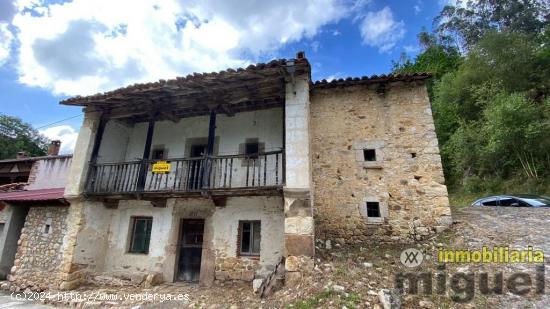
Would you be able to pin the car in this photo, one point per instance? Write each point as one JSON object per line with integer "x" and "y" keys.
{"x": 519, "y": 200}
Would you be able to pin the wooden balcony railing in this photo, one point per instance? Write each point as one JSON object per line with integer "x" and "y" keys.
{"x": 231, "y": 172}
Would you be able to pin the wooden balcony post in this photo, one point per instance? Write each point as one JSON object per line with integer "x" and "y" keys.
{"x": 95, "y": 151}
{"x": 146, "y": 151}
{"x": 209, "y": 149}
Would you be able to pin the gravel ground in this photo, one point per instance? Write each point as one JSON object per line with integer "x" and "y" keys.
{"x": 353, "y": 277}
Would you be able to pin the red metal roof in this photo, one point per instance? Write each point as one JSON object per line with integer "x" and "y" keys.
{"x": 55, "y": 194}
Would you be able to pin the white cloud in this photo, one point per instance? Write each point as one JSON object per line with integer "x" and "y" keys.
{"x": 87, "y": 46}
{"x": 6, "y": 39}
{"x": 315, "y": 46}
{"x": 417, "y": 9}
{"x": 458, "y": 3}
{"x": 66, "y": 134}
{"x": 334, "y": 76}
{"x": 411, "y": 49}
{"x": 380, "y": 29}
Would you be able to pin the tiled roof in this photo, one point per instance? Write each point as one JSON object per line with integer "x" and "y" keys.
{"x": 351, "y": 81}
{"x": 190, "y": 79}
{"x": 32, "y": 159}
{"x": 55, "y": 194}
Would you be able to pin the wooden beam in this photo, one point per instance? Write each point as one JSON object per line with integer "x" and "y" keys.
{"x": 209, "y": 149}
{"x": 146, "y": 152}
{"x": 95, "y": 150}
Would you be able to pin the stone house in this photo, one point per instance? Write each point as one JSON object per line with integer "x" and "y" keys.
{"x": 232, "y": 175}
{"x": 33, "y": 217}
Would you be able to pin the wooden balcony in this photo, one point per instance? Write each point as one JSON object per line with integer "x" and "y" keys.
{"x": 231, "y": 174}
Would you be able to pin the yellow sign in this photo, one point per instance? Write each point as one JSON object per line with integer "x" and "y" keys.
{"x": 161, "y": 167}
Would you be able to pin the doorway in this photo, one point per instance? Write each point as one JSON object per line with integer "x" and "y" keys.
{"x": 10, "y": 236}
{"x": 196, "y": 166}
{"x": 190, "y": 249}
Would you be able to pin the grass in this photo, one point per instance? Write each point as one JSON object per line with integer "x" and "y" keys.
{"x": 350, "y": 300}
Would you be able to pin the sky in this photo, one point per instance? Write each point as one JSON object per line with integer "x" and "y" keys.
{"x": 54, "y": 49}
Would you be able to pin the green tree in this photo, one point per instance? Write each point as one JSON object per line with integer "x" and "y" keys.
{"x": 15, "y": 136}
{"x": 470, "y": 20}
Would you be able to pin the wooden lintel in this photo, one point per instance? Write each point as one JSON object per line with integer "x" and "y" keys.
{"x": 111, "y": 203}
{"x": 219, "y": 201}
{"x": 169, "y": 115}
{"x": 158, "y": 202}
{"x": 226, "y": 109}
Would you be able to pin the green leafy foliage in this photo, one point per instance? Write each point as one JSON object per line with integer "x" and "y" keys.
{"x": 15, "y": 136}
{"x": 473, "y": 19}
{"x": 491, "y": 104}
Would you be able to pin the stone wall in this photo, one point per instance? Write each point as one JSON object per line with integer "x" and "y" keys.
{"x": 38, "y": 261}
{"x": 406, "y": 178}
{"x": 236, "y": 268}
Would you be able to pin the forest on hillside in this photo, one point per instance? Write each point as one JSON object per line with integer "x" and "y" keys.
{"x": 490, "y": 94}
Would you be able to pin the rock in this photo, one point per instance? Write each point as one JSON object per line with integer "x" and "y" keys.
{"x": 388, "y": 300}
{"x": 292, "y": 263}
{"x": 426, "y": 304}
{"x": 137, "y": 278}
{"x": 367, "y": 265}
{"x": 463, "y": 269}
{"x": 153, "y": 279}
{"x": 423, "y": 231}
{"x": 257, "y": 284}
{"x": 338, "y": 288}
{"x": 328, "y": 244}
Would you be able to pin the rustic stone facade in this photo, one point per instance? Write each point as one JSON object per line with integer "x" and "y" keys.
{"x": 38, "y": 261}
{"x": 376, "y": 147}
{"x": 236, "y": 268}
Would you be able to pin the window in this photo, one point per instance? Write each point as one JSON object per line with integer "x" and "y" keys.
{"x": 373, "y": 209}
{"x": 369, "y": 154}
{"x": 158, "y": 154}
{"x": 250, "y": 235}
{"x": 508, "y": 201}
{"x": 251, "y": 149}
{"x": 141, "y": 234}
{"x": 489, "y": 202}
{"x": 47, "y": 228}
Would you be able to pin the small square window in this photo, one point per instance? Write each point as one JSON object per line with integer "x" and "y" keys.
{"x": 157, "y": 154}
{"x": 373, "y": 209}
{"x": 141, "y": 234}
{"x": 250, "y": 236}
{"x": 252, "y": 149}
{"x": 369, "y": 154}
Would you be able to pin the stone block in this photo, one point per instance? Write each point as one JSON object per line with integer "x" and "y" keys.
{"x": 257, "y": 284}
{"x": 299, "y": 225}
{"x": 292, "y": 263}
{"x": 247, "y": 275}
{"x": 298, "y": 245}
{"x": 137, "y": 278}
{"x": 153, "y": 279}
{"x": 234, "y": 275}
{"x": 292, "y": 278}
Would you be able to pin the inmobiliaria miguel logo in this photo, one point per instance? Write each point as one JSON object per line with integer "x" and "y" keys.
{"x": 462, "y": 285}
